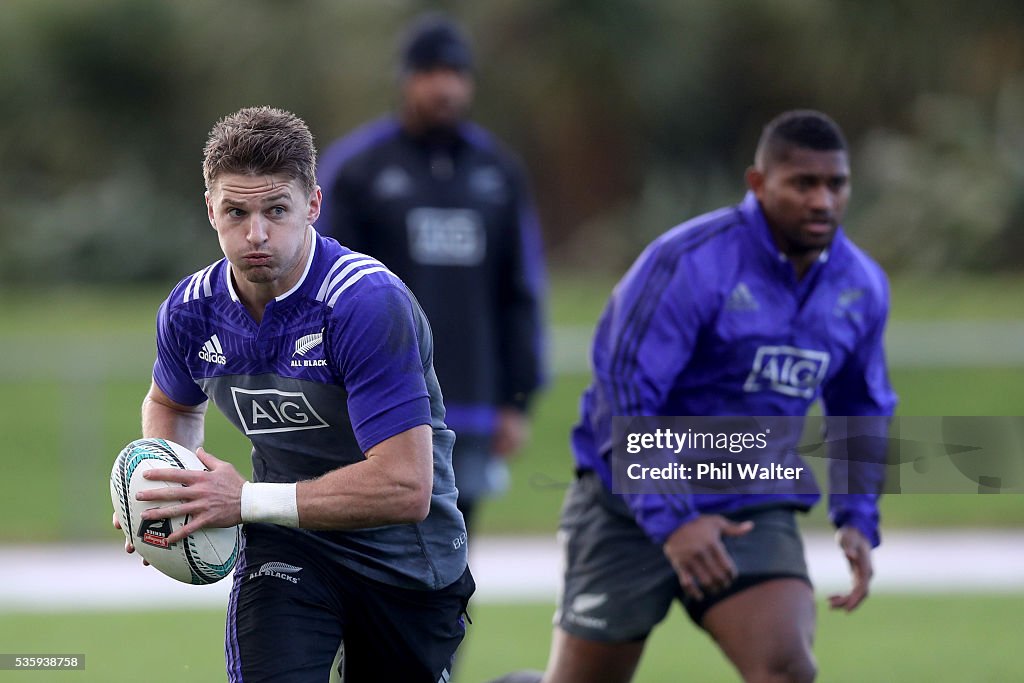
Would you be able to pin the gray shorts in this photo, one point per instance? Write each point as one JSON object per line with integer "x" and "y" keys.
{"x": 618, "y": 585}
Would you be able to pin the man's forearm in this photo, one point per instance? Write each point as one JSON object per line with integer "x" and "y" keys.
{"x": 162, "y": 421}
{"x": 392, "y": 486}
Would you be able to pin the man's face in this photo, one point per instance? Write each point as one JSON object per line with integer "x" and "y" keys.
{"x": 261, "y": 224}
{"x": 437, "y": 98}
{"x": 804, "y": 197}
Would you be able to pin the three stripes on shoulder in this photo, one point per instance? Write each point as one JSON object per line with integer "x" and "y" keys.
{"x": 345, "y": 272}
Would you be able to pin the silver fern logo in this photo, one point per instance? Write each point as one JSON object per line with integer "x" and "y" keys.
{"x": 304, "y": 345}
{"x": 584, "y": 602}
{"x": 278, "y": 570}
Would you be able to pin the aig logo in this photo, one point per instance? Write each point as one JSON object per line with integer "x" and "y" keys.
{"x": 446, "y": 237}
{"x": 268, "y": 411}
{"x": 787, "y": 370}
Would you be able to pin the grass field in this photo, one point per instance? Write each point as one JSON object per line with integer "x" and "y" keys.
{"x": 891, "y": 639}
{"x": 61, "y": 430}
{"x": 81, "y": 507}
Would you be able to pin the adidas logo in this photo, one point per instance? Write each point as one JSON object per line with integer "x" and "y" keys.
{"x": 740, "y": 299}
{"x": 213, "y": 352}
{"x": 304, "y": 345}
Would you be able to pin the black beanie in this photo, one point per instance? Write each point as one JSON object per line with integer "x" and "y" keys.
{"x": 434, "y": 41}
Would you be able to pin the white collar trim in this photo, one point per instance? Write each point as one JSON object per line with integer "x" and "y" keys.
{"x": 309, "y": 264}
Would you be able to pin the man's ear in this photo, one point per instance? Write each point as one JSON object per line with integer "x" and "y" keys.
{"x": 315, "y": 201}
{"x": 209, "y": 209}
{"x": 755, "y": 180}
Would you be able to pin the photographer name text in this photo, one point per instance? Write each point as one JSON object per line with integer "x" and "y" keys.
{"x": 726, "y": 471}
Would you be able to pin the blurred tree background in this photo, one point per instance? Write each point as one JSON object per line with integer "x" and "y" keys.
{"x": 630, "y": 114}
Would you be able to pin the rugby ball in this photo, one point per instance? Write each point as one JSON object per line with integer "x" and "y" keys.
{"x": 206, "y": 556}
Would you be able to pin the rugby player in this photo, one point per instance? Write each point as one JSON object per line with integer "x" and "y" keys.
{"x": 354, "y": 559}
{"x": 448, "y": 208}
{"x": 700, "y": 326}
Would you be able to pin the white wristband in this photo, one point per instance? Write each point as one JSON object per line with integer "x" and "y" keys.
{"x": 270, "y": 503}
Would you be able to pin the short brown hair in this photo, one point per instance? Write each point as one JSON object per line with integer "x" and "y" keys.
{"x": 261, "y": 141}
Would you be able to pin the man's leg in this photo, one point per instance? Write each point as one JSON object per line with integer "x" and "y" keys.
{"x": 402, "y": 634}
{"x": 575, "y": 660}
{"x": 767, "y": 631}
{"x": 764, "y": 621}
{"x": 283, "y": 625}
{"x": 617, "y": 586}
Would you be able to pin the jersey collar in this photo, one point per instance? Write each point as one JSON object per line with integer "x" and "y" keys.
{"x": 309, "y": 264}
{"x": 751, "y": 210}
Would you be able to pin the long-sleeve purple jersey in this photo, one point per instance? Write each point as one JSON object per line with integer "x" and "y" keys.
{"x": 338, "y": 364}
{"x": 712, "y": 320}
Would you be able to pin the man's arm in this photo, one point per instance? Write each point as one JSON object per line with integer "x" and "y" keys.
{"x": 857, "y": 550}
{"x": 511, "y": 431}
{"x": 636, "y": 366}
{"x": 859, "y": 403}
{"x": 381, "y": 361}
{"x": 522, "y": 290}
{"x": 164, "y": 418}
{"x": 696, "y": 552}
{"x": 392, "y": 486}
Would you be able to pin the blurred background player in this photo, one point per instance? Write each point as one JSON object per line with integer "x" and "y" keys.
{"x": 449, "y": 210}
{"x": 354, "y": 561}
{"x": 693, "y": 329}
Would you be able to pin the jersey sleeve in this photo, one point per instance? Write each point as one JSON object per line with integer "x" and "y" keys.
{"x": 521, "y": 306}
{"x": 859, "y": 402}
{"x": 644, "y": 341}
{"x": 339, "y": 210}
{"x": 381, "y": 360}
{"x": 170, "y": 371}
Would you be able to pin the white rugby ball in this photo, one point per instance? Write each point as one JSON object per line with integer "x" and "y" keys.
{"x": 206, "y": 556}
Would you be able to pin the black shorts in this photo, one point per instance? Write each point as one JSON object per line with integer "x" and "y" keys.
{"x": 295, "y": 618}
{"x": 618, "y": 584}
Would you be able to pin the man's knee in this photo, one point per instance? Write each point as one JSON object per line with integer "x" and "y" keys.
{"x": 797, "y": 666}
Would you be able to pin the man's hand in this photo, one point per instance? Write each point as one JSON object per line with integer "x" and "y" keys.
{"x": 212, "y": 499}
{"x": 858, "y": 553}
{"x": 510, "y": 432}
{"x": 699, "y": 557}
{"x": 128, "y": 547}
